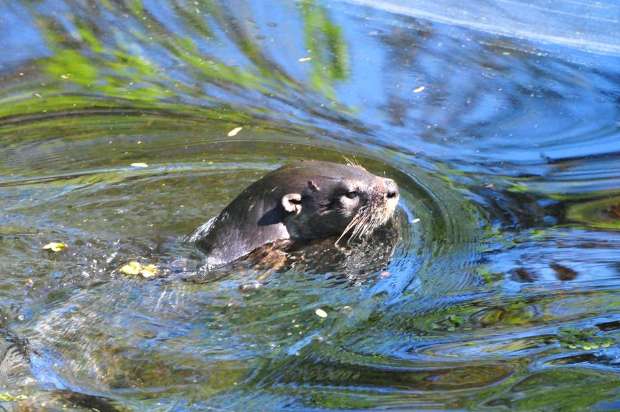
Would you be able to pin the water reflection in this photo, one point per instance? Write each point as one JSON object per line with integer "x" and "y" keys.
{"x": 499, "y": 120}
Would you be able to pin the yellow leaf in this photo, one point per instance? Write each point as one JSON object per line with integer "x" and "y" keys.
{"x": 134, "y": 268}
{"x": 149, "y": 271}
{"x": 131, "y": 268}
{"x": 55, "y": 246}
{"x": 7, "y": 397}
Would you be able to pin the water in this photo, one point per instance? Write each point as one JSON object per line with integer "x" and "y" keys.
{"x": 500, "y": 121}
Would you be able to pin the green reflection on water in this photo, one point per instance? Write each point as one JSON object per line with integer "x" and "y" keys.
{"x": 603, "y": 213}
{"x": 328, "y": 51}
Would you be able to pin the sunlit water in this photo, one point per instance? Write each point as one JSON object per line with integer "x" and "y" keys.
{"x": 500, "y": 121}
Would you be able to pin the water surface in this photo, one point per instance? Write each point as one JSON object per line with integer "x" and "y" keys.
{"x": 500, "y": 120}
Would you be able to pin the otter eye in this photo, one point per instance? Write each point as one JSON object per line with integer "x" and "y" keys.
{"x": 352, "y": 194}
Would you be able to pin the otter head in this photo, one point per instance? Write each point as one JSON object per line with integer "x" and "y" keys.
{"x": 342, "y": 200}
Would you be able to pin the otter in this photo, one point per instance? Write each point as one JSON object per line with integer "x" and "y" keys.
{"x": 305, "y": 201}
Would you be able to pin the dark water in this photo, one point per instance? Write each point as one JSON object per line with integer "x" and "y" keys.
{"x": 500, "y": 120}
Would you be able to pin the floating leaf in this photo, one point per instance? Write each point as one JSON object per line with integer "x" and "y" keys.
{"x": 55, "y": 246}
{"x": 320, "y": 313}
{"x": 234, "y": 131}
{"x": 134, "y": 268}
{"x": 7, "y": 397}
{"x": 149, "y": 271}
{"x": 131, "y": 268}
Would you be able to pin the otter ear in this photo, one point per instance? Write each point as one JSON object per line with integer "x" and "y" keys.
{"x": 291, "y": 202}
{"x": 313, "y": 186}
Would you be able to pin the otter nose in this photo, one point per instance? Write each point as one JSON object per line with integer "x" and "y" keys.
{"x": 391, "y": 188}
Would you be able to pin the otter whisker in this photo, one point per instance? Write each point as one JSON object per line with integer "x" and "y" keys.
{"x": 356, "y": 231}
{"x": 374, "y": 223}
{"x": 363, "y": 223}
{"x": 353, "y": 162}
{"x": 365, "y": 216}
{"x": 363, "y": 229}
{"x": 352, "y": 224}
